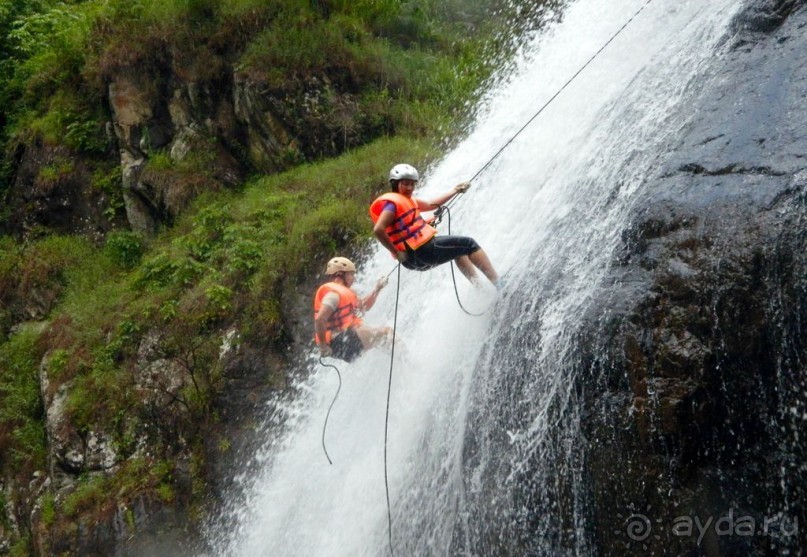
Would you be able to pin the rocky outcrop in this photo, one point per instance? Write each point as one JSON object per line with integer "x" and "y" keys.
{"x": 215, "y": 132}
{"x": 139, "y": 518}
{"x": 71, "y": 452}
{"x": 670, "y": 422}
{"x": 176, "y": 131}
{"x": 696, "y": 378}
{"x": 179, "y": 121}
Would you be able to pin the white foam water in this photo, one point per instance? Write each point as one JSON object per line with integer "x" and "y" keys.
{"x": 549, "y": 211}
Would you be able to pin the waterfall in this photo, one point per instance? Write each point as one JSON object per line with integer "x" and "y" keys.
{"x": 478, "y": 401}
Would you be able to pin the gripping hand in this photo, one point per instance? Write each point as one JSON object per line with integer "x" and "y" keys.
{"x": 462, "y": 187}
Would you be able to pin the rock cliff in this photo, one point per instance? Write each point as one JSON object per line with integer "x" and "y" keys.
{"x": 175, "y": 132}
{"x": 680, "y": 433}
{"x": 696, "y": 397}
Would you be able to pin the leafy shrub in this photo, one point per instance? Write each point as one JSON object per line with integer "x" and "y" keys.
{"x": 108, "y": 180}
{"x": 49, "y": 45}
{"x": 157, "y": 271}
{"x": 219, "y": 302}
{"x": 22, "y": 428}
{"x": 125, "y": 248}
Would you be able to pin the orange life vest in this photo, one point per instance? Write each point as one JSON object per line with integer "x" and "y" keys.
{"x": 408, "y": 228}
{"x": 345, "y": 315}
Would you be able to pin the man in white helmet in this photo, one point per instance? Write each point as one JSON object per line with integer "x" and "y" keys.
{"x": 338, "y": 330}
{"x": 401, "y": 229}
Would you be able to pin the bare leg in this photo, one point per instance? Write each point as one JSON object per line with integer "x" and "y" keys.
{"x": 480, "y": 259}
{"x": 466, "y": 267}
{"x": 374, "y": 336}
{"x": 381, "y": 337}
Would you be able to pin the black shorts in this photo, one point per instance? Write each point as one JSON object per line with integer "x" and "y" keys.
{"x": 439, "y": 250}
{"x": 347, "y": 346}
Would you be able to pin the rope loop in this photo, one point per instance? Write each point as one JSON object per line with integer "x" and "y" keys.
{"x": 325, "y": 425}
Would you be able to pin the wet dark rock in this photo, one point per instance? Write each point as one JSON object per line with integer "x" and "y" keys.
{"x": 765, "y": 16}
{"x": 706, "y": 349}
{"x": 689, "y": 378}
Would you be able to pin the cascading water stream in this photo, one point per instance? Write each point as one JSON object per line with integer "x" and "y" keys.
{"x": 549, "y": 212}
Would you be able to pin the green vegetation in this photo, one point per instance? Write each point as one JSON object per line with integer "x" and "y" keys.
{"x": 22, "y": 431}
{"x": 397, "y": 74}
{"x": 225, "y": 263}
{"x": 410, "y": 65}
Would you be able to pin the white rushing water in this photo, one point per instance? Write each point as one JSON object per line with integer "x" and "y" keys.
{"x": 549, "y": 211}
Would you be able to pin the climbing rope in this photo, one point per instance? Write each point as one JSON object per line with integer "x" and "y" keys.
{"x": 325, "y": 425}
{"x": 438, "y": 214}
{"x": 438, "y": 217}
{"x": 454, "y": 278}
{"x": 555, "y": 96}
{"x": 386, "y": 416}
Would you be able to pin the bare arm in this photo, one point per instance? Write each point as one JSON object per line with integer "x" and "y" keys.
{"x": 433, "y": 204}
{"x": 368, "y": 301}
{"x": 321, "y": 325}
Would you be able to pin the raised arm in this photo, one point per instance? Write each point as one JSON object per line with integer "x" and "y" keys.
{"x": 368, "y": 301}
{"x": 432, "y": 204}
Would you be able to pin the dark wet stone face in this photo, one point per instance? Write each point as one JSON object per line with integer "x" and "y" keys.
{"x": 690, "y": 370}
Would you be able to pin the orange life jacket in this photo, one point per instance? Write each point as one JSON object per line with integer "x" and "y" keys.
{"x": 408, "y": 228}
{"x": 345, "y": 315}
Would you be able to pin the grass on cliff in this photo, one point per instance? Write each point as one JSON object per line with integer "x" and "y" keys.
{"x": 232, "y": 258}
{"x": 226, "y": 263}
{"x": 409, "y": 65}
{"x": 22, "y": 428}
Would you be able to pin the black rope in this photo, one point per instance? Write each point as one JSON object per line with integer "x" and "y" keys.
{"x": 386, "y": 417}
{"x": 451, "y": 264}
{"x": 325, "y": 425}
{"x": 438, "y": 217}
{"x": 556, "y": 95}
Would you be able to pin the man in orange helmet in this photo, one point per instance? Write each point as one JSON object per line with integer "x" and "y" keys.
{"x": 338, "y": 330}
{"x": 401, "y": 229}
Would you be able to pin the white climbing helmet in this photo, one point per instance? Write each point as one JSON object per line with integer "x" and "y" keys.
{"x": 403, "y": 172}
{"x": 340, "y": 265}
